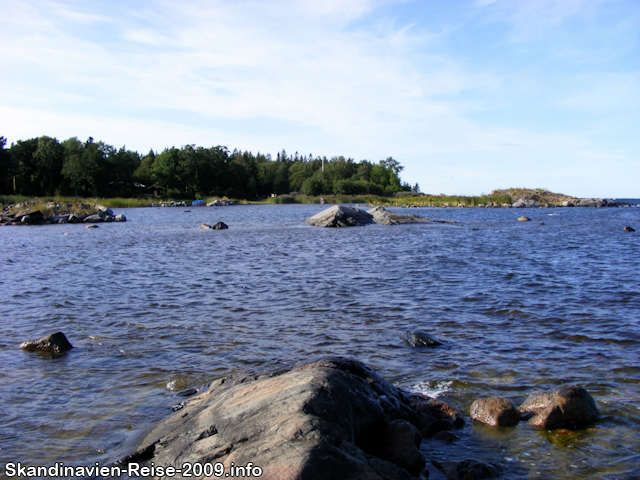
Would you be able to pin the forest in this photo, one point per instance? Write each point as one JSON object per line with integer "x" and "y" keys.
{"x": 44, "y": 166}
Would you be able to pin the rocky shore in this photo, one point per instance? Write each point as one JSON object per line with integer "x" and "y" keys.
{"x": 332, "y": 418}
{"x": 27, "y": 214}
{"x": 337, "y": 418}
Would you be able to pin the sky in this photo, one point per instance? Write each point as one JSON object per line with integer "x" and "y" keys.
{"x": 468, "y": 95}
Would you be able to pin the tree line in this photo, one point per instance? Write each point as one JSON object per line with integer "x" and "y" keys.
{"x": 43, "y": 166}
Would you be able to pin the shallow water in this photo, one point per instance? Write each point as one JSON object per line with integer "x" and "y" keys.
{"x": 156, "y": 305}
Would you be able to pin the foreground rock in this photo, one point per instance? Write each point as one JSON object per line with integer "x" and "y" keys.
{"x": 340, "y": 216}
{"x": 56, "y": 343}
{"x": 495, "y": 411}
{"x": 330, "y": 419}
{"x": 568, "y": 407}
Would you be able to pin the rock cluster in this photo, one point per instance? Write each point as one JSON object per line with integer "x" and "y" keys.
{"x": 36, "y": 217}
{"x": 172, "y": 203}
{"x": 524, "y": 202}
{"x": 567, "y": 407}
{"x": 334, "y": 418}
{"x": 341, "y": 216}
{"x": 220, "y": 203}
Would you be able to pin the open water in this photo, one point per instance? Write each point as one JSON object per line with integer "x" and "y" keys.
{"x": 156, "y": 305}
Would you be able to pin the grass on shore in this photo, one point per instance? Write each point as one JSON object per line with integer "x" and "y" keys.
{"x": 76, "y": 204}
{"x": 70, "y": 204}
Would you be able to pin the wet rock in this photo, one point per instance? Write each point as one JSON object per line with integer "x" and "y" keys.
{"x": 468, "y": 470}
{"x": 629, "y": 229}
{"x": 34, "y": 217}
{"x": 56, "y": 343}
{"x": 445, "y": 436}
{"x": 434, "y": 416}
{"x": 340, "y": 216}
{"x": 220, "y": 226}
{"x": 420, "y": 338}
{"x": 568, "y": 407}
{"x": 524, "y": 219}
{"x": 120, "y": 218}
{"x": 335, "y": 418}
{"x": 495, "y": 411}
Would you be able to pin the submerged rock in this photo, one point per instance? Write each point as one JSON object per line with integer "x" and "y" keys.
{"x": 55, "y": 343}
{"x": 330, "y": 419}
{"x": 568, "y": 407}
{"x": 495, "y": 411}
{"x": 340, "y": 216}
{"x": 420, "y": 338}
{"x": 384, "y": 217}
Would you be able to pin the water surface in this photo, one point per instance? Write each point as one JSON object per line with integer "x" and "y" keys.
{"x": 156, "y": 305}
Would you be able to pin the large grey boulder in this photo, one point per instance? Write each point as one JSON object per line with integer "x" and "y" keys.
{"x": 524, "y": 203}
{"x": 334, "y": 418}
{"x": 55, "y": 343}
{"x": 104, "y": 210}
{"x": 567, "y": 407}
{"x": 495, "y": 411}
{"x": 340, "y": 216}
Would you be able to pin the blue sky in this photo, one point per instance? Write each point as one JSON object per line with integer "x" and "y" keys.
{"x": 469, "y": 96}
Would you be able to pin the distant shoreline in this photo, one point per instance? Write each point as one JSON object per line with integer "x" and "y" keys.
{"x": 511, "y": 198}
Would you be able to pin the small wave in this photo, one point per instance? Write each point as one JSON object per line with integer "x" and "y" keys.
{"x": 432, "y": 389}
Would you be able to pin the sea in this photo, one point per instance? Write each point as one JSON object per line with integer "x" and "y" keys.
{"x": 156, "y": 305}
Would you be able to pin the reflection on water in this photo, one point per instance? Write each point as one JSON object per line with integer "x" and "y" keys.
{"x": 156, "y": 305}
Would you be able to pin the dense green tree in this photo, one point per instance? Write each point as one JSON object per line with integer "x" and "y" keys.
{"x": 22, "y": 154}
{"x": 44, "y": 166}
{"x": 144, "y": 173}
{"x": 7, "y": 170}
{"x": 298, "y": 172}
